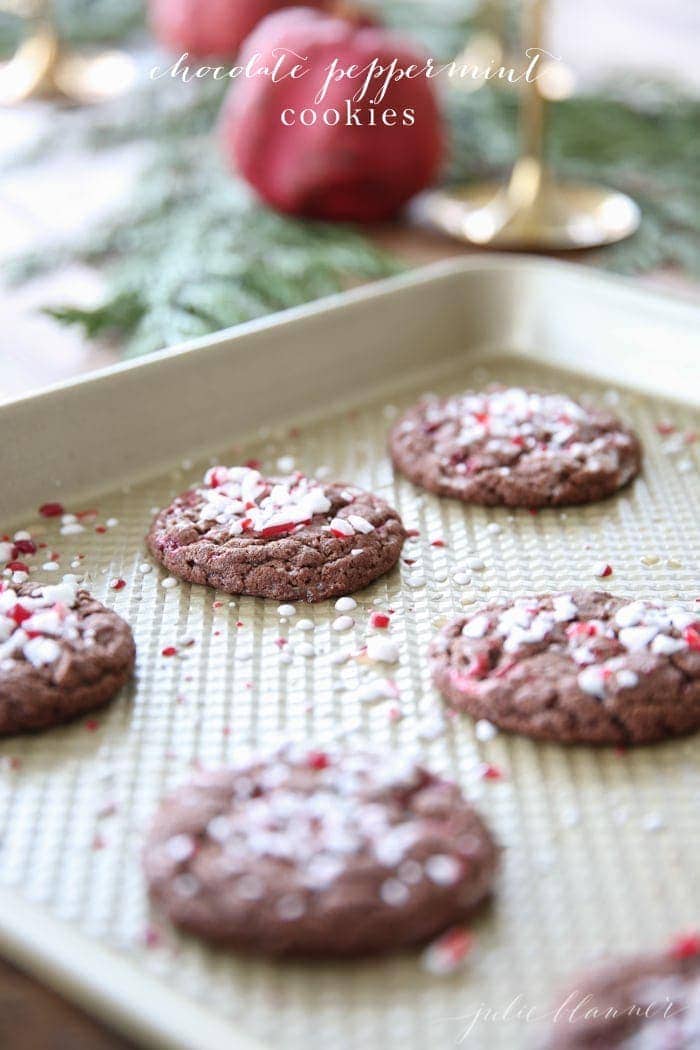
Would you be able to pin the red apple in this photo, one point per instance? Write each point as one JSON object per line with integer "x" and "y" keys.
{"x": 208, "y": 28}
{"x": 337, "y": 158}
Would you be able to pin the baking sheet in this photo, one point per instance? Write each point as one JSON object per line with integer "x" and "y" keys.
{"x": 600, "y": 845}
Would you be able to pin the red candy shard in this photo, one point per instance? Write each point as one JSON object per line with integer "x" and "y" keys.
{"x": 17, "y": 566}
{"x": 685, "y": 946}
{"x": 490, "y": 772}
{"x": 504, "y": 669}
{"x": 581, "y": 629}
{"x": 446, "y": 954}
{"x": 170, "y": 650}
{"x": 282, "y": 528}
{"x": 605, "y": 571}
{"x": 458, "y": 942}
{"x": 692, "y": 636}
{"x": 51, "y": 510}
{"x": 118, "y": 584}
{"x": 92, "y": 725}
{"x": 479, "y": 666}
{"x": 318, "y": 760}
{"x": 151, "y": 937}
{"x": 19, "y": 614}
{"x": 380, "y": 620}
{"x": 216, "y": 478}
{"x": 25, "y": 547}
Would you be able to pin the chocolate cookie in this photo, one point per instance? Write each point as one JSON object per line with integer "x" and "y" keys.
{"x": 651, "y": 1002}
{"x": 584, "y": 667}
{"x": 289, "y": 538}
{"x": 514, "y": 448}
{"x": 312, "y": 853}
{"x": 61, "y": 653}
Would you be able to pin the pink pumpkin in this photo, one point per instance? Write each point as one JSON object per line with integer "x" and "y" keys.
{"x": 208, "y": 28}
{"x": 333, "y": 159}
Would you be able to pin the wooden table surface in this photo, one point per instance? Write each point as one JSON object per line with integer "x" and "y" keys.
{"x": 61, "y": 196}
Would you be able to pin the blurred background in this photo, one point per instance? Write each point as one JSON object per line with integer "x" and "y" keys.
{"x": 125, "y": 227}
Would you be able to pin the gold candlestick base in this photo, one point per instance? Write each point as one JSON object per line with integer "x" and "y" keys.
{"x": 533, "y": 211}
{"x": 560, "y": 217}
{"x": 40, "y": 69}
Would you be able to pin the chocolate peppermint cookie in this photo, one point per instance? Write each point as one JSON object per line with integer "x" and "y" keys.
{"x": 291, "y": 538}
{"x": 514, "y": 448}
{"x": 61, "y": 653}
{"x": 584, "y": 667}
{"x": 313, "y": 853}
{"x": 650, "y": 1002}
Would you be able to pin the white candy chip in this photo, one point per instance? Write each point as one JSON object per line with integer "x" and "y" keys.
{"x": 382, "y": 649}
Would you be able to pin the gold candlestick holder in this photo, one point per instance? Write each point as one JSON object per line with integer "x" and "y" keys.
{"x": 43, "y": 68}
{"x": 534, "y": 210}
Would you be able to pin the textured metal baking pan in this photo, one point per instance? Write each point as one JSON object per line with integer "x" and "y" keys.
{"x": 601, "y": 847}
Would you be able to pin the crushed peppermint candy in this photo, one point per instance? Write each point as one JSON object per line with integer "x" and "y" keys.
{"x": 449, "y": 952}
{"x": 345, "y": 604}
{"x": 321, "y": 814}
{"x": 244, "y": 502}
{"x": 343, "y": 623}
{"x": 685, "y": 946}
{"x": 51, "y": 510}
{"x": 488, "y": 771}
{"x": 382, "y": 649}
{"x": 33, "y": 625}
{"x": 485, "y": 730}
{"x": 515, "y": 422}
{"x": 602, "y": 648}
